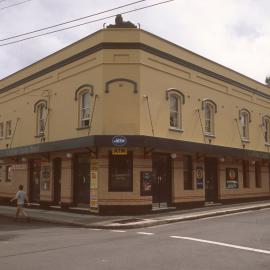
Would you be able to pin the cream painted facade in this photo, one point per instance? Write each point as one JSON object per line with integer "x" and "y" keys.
{"x": 130, "y": 75}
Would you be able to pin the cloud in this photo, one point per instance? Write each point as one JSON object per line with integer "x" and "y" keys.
{"x": 233, "y": 33}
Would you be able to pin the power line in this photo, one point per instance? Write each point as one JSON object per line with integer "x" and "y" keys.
{"x": 13, "y": 5}
{"x": 81, "y": 18}
{"x": 59, "y": 30}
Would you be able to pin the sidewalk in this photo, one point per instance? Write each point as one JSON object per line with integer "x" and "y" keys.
{"x": 129, "y": 222}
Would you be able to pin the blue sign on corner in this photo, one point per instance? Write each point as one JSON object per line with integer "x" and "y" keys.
{"x": 119, "y": 141}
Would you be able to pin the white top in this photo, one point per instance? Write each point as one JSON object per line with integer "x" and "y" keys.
{"x": 21, "y": 197}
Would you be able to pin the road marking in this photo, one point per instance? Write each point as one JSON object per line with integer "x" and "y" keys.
{"x": 145, "y": 233}
{"x": 222, "y": 244}
{"x": 120, "y": 231}
{"x": 95, "y": 229}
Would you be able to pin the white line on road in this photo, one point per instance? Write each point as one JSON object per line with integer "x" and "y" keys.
{"x": 145, "y": 233}
{"x": 222, "y": 244}
{"x": 120, "y": 231}
{"x": 95, "y": 229}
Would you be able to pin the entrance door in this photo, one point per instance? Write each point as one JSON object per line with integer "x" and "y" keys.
{"x": 57, "y": 167}
{"x": 211, "y": 187}
{"x": 34, "y": 184}
{"x": 161, "y": 186}
{"x": 82, "y": 179}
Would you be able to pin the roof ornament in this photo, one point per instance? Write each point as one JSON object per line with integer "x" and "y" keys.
{"x": 120, "y": 23}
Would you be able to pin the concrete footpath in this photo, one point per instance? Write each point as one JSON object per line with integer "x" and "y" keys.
{"x": 129, "y": 222}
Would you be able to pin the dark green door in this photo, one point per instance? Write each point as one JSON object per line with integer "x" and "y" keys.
{"x": 82, "y": 179}
{"x": 161, "y": 186}
{"x": 211, "y": 175}
{"x": 34, "y": 185}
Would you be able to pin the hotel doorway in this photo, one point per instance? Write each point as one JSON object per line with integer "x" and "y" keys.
{"x": 211, "y": 179}
{"x": 161, "y": 186}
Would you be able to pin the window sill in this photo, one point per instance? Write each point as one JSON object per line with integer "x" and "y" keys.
{"x": 39, "y": 136}
{"x": 245, "y": 140}
{"x": 81, "y": 128}
{"x": 209, "y": 135}
{"x": 176, "y": 129}
{"x": 266, "y": 144}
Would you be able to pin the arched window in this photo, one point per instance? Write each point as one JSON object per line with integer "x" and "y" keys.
{"x": 209, "y": 119}
{"x": 40, "y": 108}
{"x": 244, "y": 118}
{"x": 85, "y": 109}
{"x": 41, "y": 118}
{"x": 175, "y": 111}
{"x": 83, "y": 94}
{"x": 266, "y": 129}
{"x": 176, "y": 98}
{"x": 210, "y": 108}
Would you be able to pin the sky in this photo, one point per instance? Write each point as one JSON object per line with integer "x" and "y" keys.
{"x": 233, "y": 33}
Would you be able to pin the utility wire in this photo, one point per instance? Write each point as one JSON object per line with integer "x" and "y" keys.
{"x": 77, "y": 25}
{"x": 13, "y": 5}
{"x": 81, "y": 18}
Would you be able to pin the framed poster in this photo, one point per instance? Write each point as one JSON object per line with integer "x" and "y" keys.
{"x": 199, "y": 177}
{"x": 146, "y": 183}
{"x": 232, "y": 178}
{"x": 45, "y": 178}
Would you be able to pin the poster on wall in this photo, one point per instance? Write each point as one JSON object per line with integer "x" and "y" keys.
{"x": 232, "y": 178}
{"x": 199, "y": 177}
{"x": 94, "y": 188}
{"x": 45, "y": 178}
{"x": 146, "y": 183}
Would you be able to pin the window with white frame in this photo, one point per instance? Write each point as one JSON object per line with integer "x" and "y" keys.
{"x": 1, "y": 130}
{"x": 8, "y": 129}
{"x": 175, "y": 111}
{"x": 85, "y": 109}
{"x": 209, "y": 119}
{"x": 244, "y": 124}
{"x": 41, "y": 118}
{"x": 266, "y": 129}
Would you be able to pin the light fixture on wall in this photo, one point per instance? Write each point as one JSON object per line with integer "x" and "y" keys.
{"x": 253, "y": 162}
{"x": 173, "y": 155}
{"x": 222, "y": 159}
{"x": 69, "y": 155}
{"x": 23, "y": 159}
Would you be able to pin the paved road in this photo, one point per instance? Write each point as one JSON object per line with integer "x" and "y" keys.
{"x": 239, "y": 241}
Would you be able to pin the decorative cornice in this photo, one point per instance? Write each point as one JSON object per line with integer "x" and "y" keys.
{"x": 83, "y": 87}
{"x": 246, "y": 111}
{"x": 207, "y": 100}
{"x": 139, "y": 46}
{"x": 41, "y": 101}
{"x": 173, "y": 90}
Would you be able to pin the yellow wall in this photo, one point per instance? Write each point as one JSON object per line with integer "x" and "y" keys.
{"x": 153, "y": 76}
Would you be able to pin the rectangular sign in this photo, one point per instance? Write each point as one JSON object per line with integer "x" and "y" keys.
{"x": 119, "y": 151}
{"x": 146, "y": 183}
{"x": 94, "y": 180}
{"x": 199, "y": 177}
{"x": 232, "y": 178}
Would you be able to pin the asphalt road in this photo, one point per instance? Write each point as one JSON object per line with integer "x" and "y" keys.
{"x": 239, "y": 241}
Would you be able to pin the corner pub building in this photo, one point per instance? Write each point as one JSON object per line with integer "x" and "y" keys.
{"x": 124, "y": 121}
